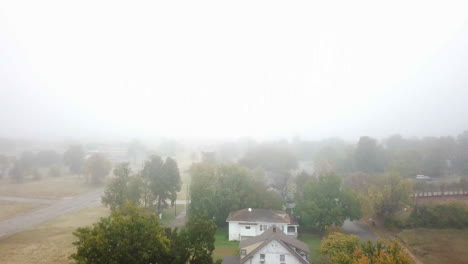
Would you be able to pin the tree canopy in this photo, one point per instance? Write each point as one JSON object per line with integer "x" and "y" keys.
{"x": 97, "y": 167}
{"x": 74, "y": 158}
{"x": 216, "y": 190}
{"x": 153, "y": 186}
{"x": 348, "y": 249}
{"x": 129, "y": 235}
{"x": 132, "y": 234}
{"x": 323, "y": 202}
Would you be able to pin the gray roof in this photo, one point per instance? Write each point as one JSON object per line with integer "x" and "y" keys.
{"x": 231, "y": 260}
{"x": 260, "y": 215}
{"x": 272, "y": 234}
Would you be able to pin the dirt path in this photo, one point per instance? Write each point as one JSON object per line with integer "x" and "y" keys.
{"x": 21, "y": 222}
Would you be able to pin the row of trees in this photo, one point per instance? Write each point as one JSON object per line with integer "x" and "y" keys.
{"x": 217, "y": 190}
{"x": 154, "y": 186}
{"x": 433, "y": 156}
{"x": 95, "y": 168}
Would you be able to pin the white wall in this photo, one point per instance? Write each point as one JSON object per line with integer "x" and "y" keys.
{"x": 234, "y": 231}
{"x": 237, "y": 230}
{"x": 272, "y": 252}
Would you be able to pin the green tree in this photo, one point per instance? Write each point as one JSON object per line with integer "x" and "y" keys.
{"x": 74, "y": 158}
{"x": 369, "y": 157}
{"x": 121, "y": 188}
{"x": 323, "y": 203}
{"x": 390, "y": 194}
{"x": 130, "y": 235}
{"x": 197, "y": 240}
{"x": 217, "y": 190}
{"x": 162, "y": 180}
{"x": 203, "y": 191}
{"x": 97, "y": 167}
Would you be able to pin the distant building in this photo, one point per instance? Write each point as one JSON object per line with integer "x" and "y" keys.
{"x": 271, "y": 247}
{"x": 247, "y": 223}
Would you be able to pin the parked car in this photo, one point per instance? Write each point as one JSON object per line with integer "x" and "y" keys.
{"x": 423, "y": 178}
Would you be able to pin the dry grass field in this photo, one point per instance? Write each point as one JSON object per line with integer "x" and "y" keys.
{"x": 10, "y": 209}
{"x": 47, "y": 187}
{"x": 49, "y": 242}
{"x": 435, "y": 246}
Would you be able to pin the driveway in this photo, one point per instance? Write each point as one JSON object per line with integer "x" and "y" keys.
{"x": 24, "y": 221}
{"x": 359, "y": 229}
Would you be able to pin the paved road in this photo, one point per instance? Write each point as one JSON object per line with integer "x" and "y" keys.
{"x": 359, "y": 229}
{"x": 26, "y": 200}
{"x": 21, "y": 222}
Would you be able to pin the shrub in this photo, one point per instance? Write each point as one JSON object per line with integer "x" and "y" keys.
{"x": 452, "y": 215}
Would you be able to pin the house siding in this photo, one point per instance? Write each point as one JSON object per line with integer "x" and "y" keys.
{"x": 272, "y": 252}
{"x": 237, "y": 230}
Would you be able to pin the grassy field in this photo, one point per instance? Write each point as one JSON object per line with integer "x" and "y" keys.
{"x": 49, "y": 242}
{"x": 9, "y": 209}
{"x": 47, "y": 187}
{"x": 313, "y": 241}
{"x": 434, "y": 246}
{"x": 224, "y": 247}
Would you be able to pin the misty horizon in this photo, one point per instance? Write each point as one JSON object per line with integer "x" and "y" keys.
{"x": 111, "y": 71}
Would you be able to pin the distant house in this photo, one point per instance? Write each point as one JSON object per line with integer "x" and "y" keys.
{"x": 271, "y": 247}
{"x": 247, "y": 223}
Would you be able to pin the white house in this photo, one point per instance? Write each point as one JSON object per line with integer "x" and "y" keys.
{"x": 250, "y": 222}
{"x": 271, "y": 247}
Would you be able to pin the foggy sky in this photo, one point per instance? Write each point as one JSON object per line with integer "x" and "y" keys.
{"x": 264, "y": 69}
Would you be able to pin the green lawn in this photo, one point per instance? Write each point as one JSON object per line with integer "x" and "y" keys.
{"x": 224, "y": 247}
{"x": 313, "y": 241}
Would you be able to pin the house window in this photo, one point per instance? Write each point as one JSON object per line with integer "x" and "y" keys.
{"x": 247, "y": 227}
{"x": 282, "y": 259}
{"x": 291, "y": 229}
{"x": 264, "y": 227}
{"x": 243, "y": 252}
{"x": 262, "y": 258}
{"x": 261, "y": 228}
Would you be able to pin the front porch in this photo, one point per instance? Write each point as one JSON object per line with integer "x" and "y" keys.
{"x": 291, "y": 230}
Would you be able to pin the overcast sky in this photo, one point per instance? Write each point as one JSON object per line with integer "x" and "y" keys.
{"x": 219, "y": 69}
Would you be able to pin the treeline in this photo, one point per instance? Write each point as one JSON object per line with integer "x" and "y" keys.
{"x": 444, "y": 215}
{"x": 35, "y": 165}
{"x": 432, "y": 156}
